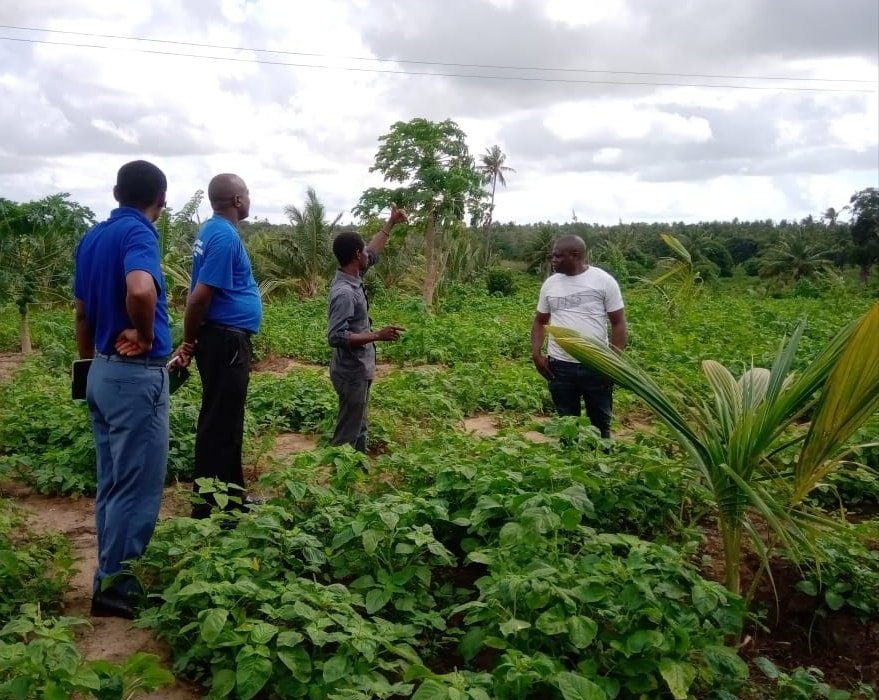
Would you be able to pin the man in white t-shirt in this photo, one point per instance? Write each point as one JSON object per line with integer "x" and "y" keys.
{"x": 583, "y": 298}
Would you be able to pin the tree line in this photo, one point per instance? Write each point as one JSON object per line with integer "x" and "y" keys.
{"x": 453, "y": 235}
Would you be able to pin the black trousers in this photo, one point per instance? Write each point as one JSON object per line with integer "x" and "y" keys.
{"x": 572, "y": 382}
{"x": 223, "y": 357}
{"x": 351, "y": 425}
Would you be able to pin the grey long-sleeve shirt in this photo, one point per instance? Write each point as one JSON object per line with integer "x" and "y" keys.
{"x": 348, "y": 312}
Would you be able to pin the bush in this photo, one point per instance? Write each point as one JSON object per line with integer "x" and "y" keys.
{"x": 751, "y": 267}
{"x": 500, "y": 281}
{"x": 33, "y": 568}
{"x": 806, "y": 289}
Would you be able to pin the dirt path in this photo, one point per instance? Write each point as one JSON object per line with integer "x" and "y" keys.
{"x": 282, "y": 366}
{"x": 9, "y": 362}
{"x": 109, "y": 638}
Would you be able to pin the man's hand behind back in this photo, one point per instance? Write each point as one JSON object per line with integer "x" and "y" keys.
{"x": 131, "y": 343}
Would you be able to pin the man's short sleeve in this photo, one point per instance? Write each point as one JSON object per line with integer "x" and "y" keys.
{"x": 542, "y": 301}
{"x": 141, "y": 252}
{"x": 219, "y": 261}
{"x": 613, "y": 297}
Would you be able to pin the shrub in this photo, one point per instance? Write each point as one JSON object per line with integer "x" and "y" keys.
{"x": 500, "y": 281}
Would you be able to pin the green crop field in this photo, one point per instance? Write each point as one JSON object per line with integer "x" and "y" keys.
{"x": 522, "y": 558}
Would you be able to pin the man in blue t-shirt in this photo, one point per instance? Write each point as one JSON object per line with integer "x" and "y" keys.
{"x": 223, "y": 311}
{"x": 122, "y": 323}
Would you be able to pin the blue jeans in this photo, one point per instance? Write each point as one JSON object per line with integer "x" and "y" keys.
{"x": 129, "y": 410}
{"x": 572, "y": 382}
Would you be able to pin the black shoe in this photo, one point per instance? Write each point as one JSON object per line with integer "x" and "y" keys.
{"x": 110, "y": 603}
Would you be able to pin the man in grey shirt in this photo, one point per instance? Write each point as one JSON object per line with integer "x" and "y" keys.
{"x": 350, "y": 333}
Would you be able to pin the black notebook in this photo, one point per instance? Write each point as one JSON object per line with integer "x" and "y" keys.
{"x": 79, "y": 373}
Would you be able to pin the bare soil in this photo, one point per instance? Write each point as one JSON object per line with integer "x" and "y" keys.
{"x": 282, "y": 366}
{"x": 9, "y": 362}
{"x": 483, "y": 425}
{"x": 291, "y": 443}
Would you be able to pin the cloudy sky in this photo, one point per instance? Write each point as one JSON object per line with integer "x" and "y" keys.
{"x": 664, "y": 148}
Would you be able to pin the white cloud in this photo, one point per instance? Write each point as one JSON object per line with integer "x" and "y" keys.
{"x": 71, "y": 116}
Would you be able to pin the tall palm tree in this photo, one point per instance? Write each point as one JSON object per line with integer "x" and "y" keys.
{"x": 312, "y": 241}
{"x": 493, "y": 169}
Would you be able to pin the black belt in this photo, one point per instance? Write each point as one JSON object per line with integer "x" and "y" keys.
{"x": 227, "y": 329}
{"x": 139, "y": 360}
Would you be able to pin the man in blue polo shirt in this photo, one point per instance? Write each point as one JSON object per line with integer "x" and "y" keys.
{"x": 122, "y": 322}
{"x": 223, "y": 311}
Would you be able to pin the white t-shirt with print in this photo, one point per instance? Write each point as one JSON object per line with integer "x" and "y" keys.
{"x": 581, "y": 303}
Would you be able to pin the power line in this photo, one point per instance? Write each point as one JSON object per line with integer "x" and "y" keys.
{"x": 434, "y": 63}
{"x": 514, "y": 78}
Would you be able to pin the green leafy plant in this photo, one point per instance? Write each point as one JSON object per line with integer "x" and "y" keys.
{"x": 39, "y": 661}
{"x": 732, "y": 442}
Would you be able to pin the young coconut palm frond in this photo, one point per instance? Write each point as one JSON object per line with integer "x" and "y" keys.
{"x": 733, "y": 441}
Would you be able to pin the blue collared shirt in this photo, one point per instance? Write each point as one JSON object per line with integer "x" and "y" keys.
{"x": 219, "y": 260}
{"x": 125, "y": 242}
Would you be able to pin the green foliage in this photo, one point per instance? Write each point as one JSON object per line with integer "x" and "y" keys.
{"x": 39, "y": 661}
{"x": 33, "y": 568}
{"x": 843, "y": 571}
{"x": 500, "y": 281}
{"x": 438, "y": 184}
{"x": 351, "y": 593}
{"x": 807, "y": 684}
{"x": 794, "y": 258}
{"x": 37, "y": 240}
{"x": 48, "y": 442}
{"x": 177, "y": 234}
{"x": 301, "y": 254}
{"x": 865, "y": 229}
{"x": 734, "y": 441}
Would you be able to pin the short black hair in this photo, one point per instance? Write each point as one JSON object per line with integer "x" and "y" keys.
{"x": 346, "y": 246}
{"x": 140, "y": 184}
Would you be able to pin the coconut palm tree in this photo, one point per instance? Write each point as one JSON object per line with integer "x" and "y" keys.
{"x": 312, "y": 238}
{"x": 492, "y": 168}
{"x": 793, "y": 258}
{"x": 735, "y": 441}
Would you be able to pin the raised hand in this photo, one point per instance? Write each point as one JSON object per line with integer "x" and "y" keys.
{"x": 398, "y": 216}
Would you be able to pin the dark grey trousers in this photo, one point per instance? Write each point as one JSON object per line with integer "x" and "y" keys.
{"x": 353, "y": 404}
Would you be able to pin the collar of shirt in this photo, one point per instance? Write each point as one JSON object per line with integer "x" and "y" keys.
{"x": 122, "y": 212}
{"x": 349, "y": 279}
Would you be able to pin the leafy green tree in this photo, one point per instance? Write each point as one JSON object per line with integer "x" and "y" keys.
{"x": 437, "y": 183}
{"x": 37, "y": 243}
{"x": 736, "y": 442}
{"x": 865, "y": 230}
{"x": 492, "y": 168}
